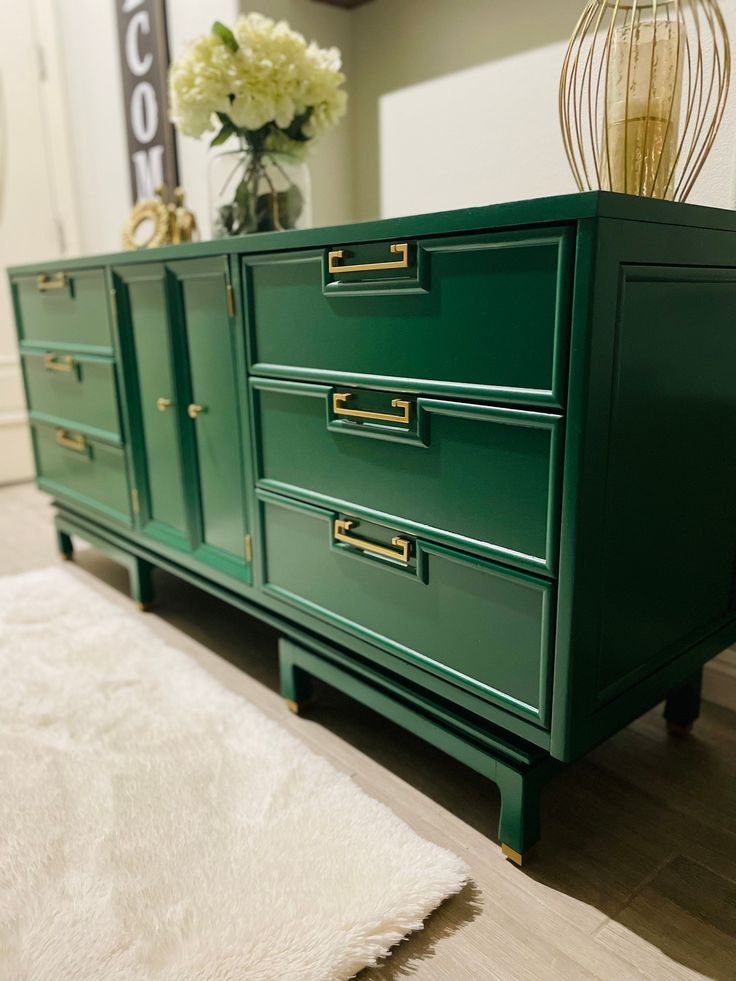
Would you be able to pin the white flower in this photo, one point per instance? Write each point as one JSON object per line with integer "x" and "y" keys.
{"x": 199, "y": 85}
{"x": 264, "y": 74}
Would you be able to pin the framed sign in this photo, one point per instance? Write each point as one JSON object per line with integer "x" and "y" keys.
{"x": 144, "y": 60}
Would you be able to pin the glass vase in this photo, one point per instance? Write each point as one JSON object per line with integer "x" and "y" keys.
{"x": 260, "y": 191}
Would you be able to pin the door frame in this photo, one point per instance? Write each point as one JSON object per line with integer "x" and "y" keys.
{"x": 49, "y": 91}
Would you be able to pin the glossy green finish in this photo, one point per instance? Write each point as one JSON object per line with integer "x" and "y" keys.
{"x": 661, "y": 451}
{"x": 144, "y": 307}
{"x": 573, "y": 209}
{"x": 139, "y": 569}
{"x": 475, "y": 623}
{"x": 182, "y": 347}
{"x": 478, "y": 477}
{"x": 64, "y": 541}
{"x": 490, "y": 322}
{"x": 73, "y": 317}
{"x": 648, "y": 542}
{"x": 94, "y": 478}
{"x": 212, "y": 440}
{"x": 682, "y": 707}
{"x": 518, "y": 773}
{"x": 565, "y": 480}
{"x": 84, "y": 397}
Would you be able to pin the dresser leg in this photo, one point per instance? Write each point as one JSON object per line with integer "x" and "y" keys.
{"x": 296, "y": 685}
{"x": 682, "y": 707}
{"x": 141, "y": 582}
{"x": 519, "y": 826}
{"x": 65, "y": 546}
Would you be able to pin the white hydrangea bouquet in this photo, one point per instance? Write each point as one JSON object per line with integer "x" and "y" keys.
{"x": 262, "y": 84}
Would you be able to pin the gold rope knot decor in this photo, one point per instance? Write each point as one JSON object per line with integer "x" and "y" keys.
{"x": 159, "y": 222}
{"x": 642, "y": 94}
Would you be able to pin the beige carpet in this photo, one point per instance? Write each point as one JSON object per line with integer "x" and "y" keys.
{"x": 155, "y": 826}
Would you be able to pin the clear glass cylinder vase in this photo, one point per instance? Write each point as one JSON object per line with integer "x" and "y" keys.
{"x": 260, "y": 191}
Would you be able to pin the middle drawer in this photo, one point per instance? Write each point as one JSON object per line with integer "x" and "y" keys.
{"x": 478, "y": 477}
{"x": 75, "y": 390}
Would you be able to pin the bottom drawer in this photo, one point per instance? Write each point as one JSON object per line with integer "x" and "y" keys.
{"x": 89, "y": 472}
{"x": 475, "y": 623}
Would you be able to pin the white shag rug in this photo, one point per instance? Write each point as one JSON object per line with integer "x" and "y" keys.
{"x": 154, "y": 825}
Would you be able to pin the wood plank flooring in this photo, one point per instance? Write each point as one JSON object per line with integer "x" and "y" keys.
{"x": 635, "y": 877}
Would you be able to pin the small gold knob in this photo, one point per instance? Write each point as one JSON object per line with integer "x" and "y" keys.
{"x": 194, "y": 410}
{"x": 163, "y": 404}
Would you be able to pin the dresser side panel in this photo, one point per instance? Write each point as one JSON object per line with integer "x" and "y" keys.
{"x": 649, "y": 528}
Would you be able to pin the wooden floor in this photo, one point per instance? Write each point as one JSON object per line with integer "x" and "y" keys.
{"x": 636, "y": 873}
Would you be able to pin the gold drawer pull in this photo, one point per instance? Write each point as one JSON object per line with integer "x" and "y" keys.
{"x": 337, "y": 407}
{"x": 194, "y": 410}
{"x": 341, "y": 535}
{"x": 55, "y": 282}
{"x": 77, "y": 443}
{"x": 163, "y": 404}
{"x": 337, "y": 254}
{"x": 58, "y": 362}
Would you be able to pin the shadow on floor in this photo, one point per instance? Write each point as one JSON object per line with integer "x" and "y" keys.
{"x": 643, "y": 829}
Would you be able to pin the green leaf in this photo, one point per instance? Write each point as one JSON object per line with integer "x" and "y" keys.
{"x": 264, "y": 214}
{"x": 291, "y": 205}
{"x": 244, "y": 212}
{"x": 225, "y": 133}
{"x": 225, "y": 35}
{"x": 224, "y": 221}
{"x": 294, "y": 130}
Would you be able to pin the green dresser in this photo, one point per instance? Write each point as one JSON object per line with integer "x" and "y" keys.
{"x": 476, "y": 468}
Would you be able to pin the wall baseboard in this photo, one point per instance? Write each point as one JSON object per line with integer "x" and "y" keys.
{"x": 11, "y": 385}
{"x": 719, "y": 680}
{"x": 16, "y": 458}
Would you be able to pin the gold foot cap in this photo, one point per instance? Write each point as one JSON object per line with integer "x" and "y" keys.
{"x": 295, "y": 707}
{"x": 675, "y": 729}
{"x": 144, "y": 607}
{"x": 518, "y": 858}
{"x": 67, "y": 556}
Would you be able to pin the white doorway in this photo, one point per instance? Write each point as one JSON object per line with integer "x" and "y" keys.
{"x": 37, "y": 210}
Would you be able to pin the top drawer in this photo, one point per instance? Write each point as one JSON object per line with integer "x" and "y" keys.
{"x": 484, "y": 315}
{"x": 66, "y": 311}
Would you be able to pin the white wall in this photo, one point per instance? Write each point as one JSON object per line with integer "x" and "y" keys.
{"x": 36, "y": 211}
{"x": 500, "y": 139}
{"x": 91, "y": 64}
{"x": 330, "y": 162}
{"x": 451, "y": 104}
{"x": 412, "y": 42}
{"x": 187, "y": 19}
{"x": 491, "y": 133}
{"x": 90, "y": 61}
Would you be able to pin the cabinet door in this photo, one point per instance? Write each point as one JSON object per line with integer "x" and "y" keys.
{"x": 202, "y": 311}
{"x": 144, "y": 308}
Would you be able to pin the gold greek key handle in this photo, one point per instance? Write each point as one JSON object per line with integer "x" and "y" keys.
{"x": 58, "y": 362}
{"x": 401, "y": 249}
{"x": 163, "y": 404}
{"x": 194, "y": 410}
{"x": 341, "y": 535}
{"x": 77, "y": 443}
{"x": 55, "y": 282}
{"x": 337, "y": 407}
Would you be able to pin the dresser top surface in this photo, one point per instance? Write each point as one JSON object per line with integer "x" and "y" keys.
{"x": 535, "y": 211}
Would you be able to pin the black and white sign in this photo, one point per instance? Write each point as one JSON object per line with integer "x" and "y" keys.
{"x": 144, "y": 59}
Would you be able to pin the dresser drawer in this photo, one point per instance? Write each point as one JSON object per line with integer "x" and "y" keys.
{"x": 64, "y": 310}
{"x": 75, "y": 390}
{"x": 480, "y": 626}
{"x": 484, "y": 315}
{"x": 473, "y": 476}
{"x": 89, "y": 472}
